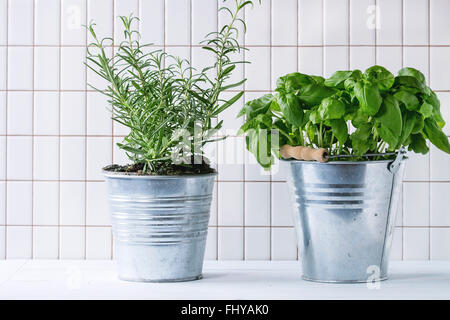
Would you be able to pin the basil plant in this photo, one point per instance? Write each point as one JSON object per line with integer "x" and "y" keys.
{"x": 350, "y": 113}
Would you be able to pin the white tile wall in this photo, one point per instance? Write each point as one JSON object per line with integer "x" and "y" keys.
{"x": 230, "y": 243}
{"x": 45, "y": 242}
{"x": 72, "y": 243}
{"x": 440, "y": 237}
{"x": 415, "y": 22}
{"x": 20, "y": 22}
{"x": 98, "y": 243}
{"x": 56, "y": 132}
{"x": 257, "y": 203}
{"x": 439, "y": 22}
{"x": 18, "y": 242}
{"x": 46, "y": 68}
{"x": 47, "y": 22}
{"x": 20, "y": 115}
{"x": 416, "y": 243}
{"x": 3, "y": 22}
{"x": 46, "y": 203}
{"x": 257, "y": 243}
{"x": 360, "y": 33}
{"x": 46, "y": 113}
{"x": 45, "y": 158}
{"x": 3, "y": 66}
{"x": 20, "y": 68}
{"x": 257, "y": 33}
{"x": 336, "y": 22}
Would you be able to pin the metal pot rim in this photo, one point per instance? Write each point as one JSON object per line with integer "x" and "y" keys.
{"x": 122, "y": 175}
{"x": 339, "y": 162}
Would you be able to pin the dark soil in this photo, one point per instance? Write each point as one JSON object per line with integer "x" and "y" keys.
{"x": 162, "y": 169}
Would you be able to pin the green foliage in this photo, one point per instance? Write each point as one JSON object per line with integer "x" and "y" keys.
{"x": 167, "y": 105}
{"x": 349, "y": 113}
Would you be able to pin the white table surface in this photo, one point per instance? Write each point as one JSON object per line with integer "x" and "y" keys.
{"x": 40, "y": 279}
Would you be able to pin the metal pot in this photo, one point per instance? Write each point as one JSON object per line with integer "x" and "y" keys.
{"x": 345, "y": 217}
{"x": 160, "y": 224}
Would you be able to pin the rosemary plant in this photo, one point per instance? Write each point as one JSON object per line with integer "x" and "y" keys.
{"x": 168, "y": 105}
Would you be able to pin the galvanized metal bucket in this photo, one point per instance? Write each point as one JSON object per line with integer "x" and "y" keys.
{"x": 160, "y": 224}
{"x": 345, "y": 216}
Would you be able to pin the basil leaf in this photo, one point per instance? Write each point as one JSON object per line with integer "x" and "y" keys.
{"x": 411, "y": 82}
{"x": 426, "y": 110}
{"x": 390, "y": 119}
{"x": 318, "y": 79}
{"x": 434, "y": 101}
{"x": 435, "y": 135}
{"x": 340, "y": 130}
{"x": 368, "y": 96}
{"x": 418, "y": 144}
{"x": 313, "y": 94}
{"x": 261, "y": 121}
{"x": 311, "y": 132}
{"x": 314, "y": 116}
{"x": 359, "y": 118}
{"x": 292, "y": 82}
{"x": 282, "y": 127}
{"x": 408, "y": 99}
{"x": 360, "y": 139}
{"x": 290, "y": 107}
{"x": 412, "y": 73}
{"x": 257, "y": 106}
{"x": 258, "y": 142}
{"x": 331, "y": 108}
{"x": 408, "y": 121}
{"x": 381, "y": 76}
{"x": 338, "y": 78}
{"x": 418, "y": 123}
{"x": 349, "y": 84}
{"x": 274, "y": 106}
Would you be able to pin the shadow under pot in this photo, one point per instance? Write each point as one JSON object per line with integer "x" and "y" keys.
{"x": 344, "y": 216}
{"x": 160, "y": 225}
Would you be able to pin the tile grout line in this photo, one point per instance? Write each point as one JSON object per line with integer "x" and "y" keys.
{"x": 214, "y": 226}
{"x": 165, "y": 29}
{"x": 429, "y": 162}
{"x": 32, "y": 128}
{"x": 112, "y": 53}
{"x": 85, "y": 138}
{"x": 229, "y": 90}
{"x": 403, "y": 222}
{"x": 6, "y": 128}
{"x": 403, "y": 32}
{"x": 190, "y": 31}
{"x": 298, "y": 70}
{"x": 112, "y": 110}
{"x": 221, "y": 181}
{"x": 403, "y": 62}
{"x": 298, "y": 35}
{"x": 250, "y": 45}
{"x": 64, "y": 135}
{"x": 63, "y": 225}
{"x": 59, "y": 131}
{"x": 217, "y": 152}
{"x": 271, "y": 88}
{"x": 348, "y": 33}
{"x": 323, "y": 39}
{"x": 244, "y": 236}
{"x": 376, "y": 31}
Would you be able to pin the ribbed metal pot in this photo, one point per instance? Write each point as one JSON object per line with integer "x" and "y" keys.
{"x": 160, "y": 224}
{"x": 344, "y": 217}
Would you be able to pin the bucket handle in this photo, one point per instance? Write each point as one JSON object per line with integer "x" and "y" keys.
{"x": 395, "y": 165}
{"x": 321, "y": 155}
